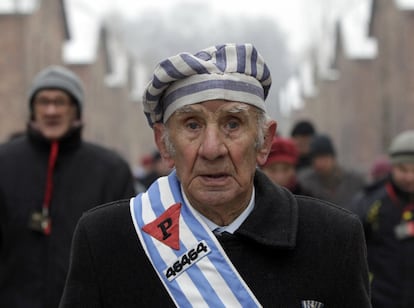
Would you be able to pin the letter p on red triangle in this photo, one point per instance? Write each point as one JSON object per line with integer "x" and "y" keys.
{"x": 165, "y": 228}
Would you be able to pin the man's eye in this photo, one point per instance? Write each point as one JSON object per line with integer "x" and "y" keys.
{"x": 193, "y": 125}
{"x": 233, "y": 124}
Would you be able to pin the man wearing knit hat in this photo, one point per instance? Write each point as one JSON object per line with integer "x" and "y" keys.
{"x": 48, "y": 178}
{"x": 302, "y": 134}
{"x": 387, "y": 213}
{"x": 326, "y": 179}
{"x": 216, "y": 232}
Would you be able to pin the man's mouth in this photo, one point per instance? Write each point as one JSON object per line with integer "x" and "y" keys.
{"x": 214, "y": 178}
{"x": 52, "y": 121}
{"x": 215, "y": 175}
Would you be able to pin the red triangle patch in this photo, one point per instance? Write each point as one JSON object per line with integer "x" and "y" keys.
{"x": 165, "y": 228}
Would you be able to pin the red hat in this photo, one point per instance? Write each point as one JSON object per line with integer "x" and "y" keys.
{"x": 380, "y": 167}
{"x": 283, "y": 151}
{"x": 147, "y": 160}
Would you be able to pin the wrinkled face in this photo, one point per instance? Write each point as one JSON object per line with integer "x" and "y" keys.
{"x": 403, "y": 175}
{"x": 280, "y": 173}
{"x": 54, "y": 113}
{"x": 215, "y": 152}
{"x": 323, "y": 164}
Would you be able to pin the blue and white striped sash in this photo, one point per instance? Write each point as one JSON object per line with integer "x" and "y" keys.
{"x": 211, "y": 280}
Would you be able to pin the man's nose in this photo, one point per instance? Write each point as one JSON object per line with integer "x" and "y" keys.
{"x": 50, "y": 108}
{"x": 213, "y": 144}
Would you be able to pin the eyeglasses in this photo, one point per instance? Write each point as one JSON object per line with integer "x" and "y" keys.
{"x": 59, "y": 102}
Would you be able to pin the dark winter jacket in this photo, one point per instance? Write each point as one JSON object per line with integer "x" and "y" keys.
{"x": 340, "y": 187}
{"x": 33, "y": 266}
{"x": 382, "y": 207}
{"x": 297, "y": 189}
{"x": 288, "y": 250}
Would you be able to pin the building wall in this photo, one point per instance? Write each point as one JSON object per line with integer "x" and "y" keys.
{"x": 33, "y": 41}
{"x": 29, "y": 42}
{"x": 110, "y": 117}
{"x": 11, "y": 67}
{"x": 373, "y": 99}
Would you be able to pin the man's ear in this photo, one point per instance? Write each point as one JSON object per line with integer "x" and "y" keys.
{"x": 159, "y": 130}
{"x": 263, "y": 152}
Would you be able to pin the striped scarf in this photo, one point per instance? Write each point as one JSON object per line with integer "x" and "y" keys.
{"x": 185, "y": 254}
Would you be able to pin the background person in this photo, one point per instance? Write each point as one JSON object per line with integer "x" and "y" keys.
{"x": 387, "y": 213}
{"x": 48, "y": 177}
{"x": 326, "y": 179}
{"x": 154, "y": 167}
{"x": 216, "y": 231}
{"x": 280, "y": 165}
{"x": 302, "y": 134}
{"x": 380, "y": 169}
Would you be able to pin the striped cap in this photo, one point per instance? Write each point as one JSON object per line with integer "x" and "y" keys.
{"x": 229, "y": 72}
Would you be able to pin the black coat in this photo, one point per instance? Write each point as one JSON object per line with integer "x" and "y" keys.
{"x": 33, "y": 266}
{"x": 289, "y": 249}
{"x": 390, "y": 257}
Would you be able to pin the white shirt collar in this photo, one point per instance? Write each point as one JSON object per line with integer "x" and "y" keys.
{"x": 231, "y": 228}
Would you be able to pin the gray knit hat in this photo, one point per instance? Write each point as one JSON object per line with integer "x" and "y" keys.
{"x": 61, "y": 78}
{"x": 402, "y": 148}
{"x": 229, "y": 71}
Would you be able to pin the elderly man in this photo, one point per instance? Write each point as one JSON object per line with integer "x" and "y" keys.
{"x": 387, "y": 212}
{"x": 216, "y": 232}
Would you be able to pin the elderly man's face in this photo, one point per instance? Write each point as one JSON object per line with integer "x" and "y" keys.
{"x": 54, "y": 113}
{"x": 215, "y": 152}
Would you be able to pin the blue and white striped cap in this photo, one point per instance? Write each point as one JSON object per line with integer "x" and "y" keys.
{"x": 229, "y": 72}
